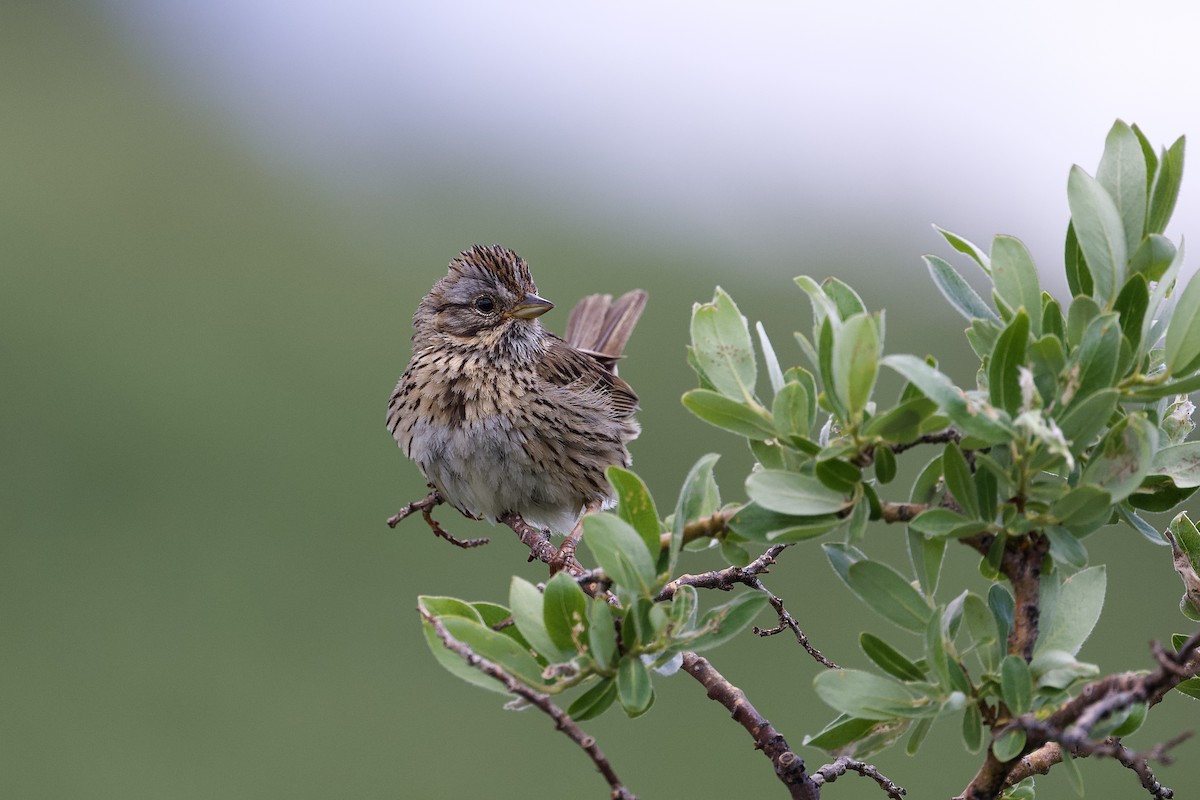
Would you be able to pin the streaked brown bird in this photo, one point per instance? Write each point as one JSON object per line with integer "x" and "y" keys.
{"x": 502, "y": 416}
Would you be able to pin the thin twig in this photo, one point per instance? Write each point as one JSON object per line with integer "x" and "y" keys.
{"x": 426, "y": 506}
{"x": 724, "y": 579}
{"x": 789, "y": 767}
{"x": 788, "y": 622}
{"x": 539, "y": 700}
{"x": 831, "y": 772}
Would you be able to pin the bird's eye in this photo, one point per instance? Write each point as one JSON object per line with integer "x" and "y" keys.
{"x": 484, "y": 304}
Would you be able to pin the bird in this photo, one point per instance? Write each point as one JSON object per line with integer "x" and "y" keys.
{"x": 503, "y": 417}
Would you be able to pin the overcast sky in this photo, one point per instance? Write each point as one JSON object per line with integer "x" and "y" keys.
{"x": 718, "y": 119}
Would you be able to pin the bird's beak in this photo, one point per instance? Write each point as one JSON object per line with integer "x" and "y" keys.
{"x": 532, "y": 306}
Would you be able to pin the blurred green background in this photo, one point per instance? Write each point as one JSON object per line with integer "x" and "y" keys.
{"x": 198, "y": 335}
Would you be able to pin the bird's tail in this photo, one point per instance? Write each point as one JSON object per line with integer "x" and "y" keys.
{"x": 600, "y": 326}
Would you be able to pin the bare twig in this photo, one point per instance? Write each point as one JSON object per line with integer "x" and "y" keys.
{"x": 539, "y": 700}
{"x": 789, "y": 767}
{"x": 725, "y": 579}
{"x": 788, "y": 622}
{"x": 831, "y": 772}
{"x": 426, "y": 506}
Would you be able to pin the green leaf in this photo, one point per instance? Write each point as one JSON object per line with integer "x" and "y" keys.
{"x": 634, "y": 689}
{"x": 528, "y": 612}
{"x": 1065, "y": 547}
{"x": 1016, "y": 684}
{"x": 721, "y": 342}
{"x": 926, "y": 554}
{"x": 956, "y": 290}
{"x": 594, "y": 702}
{"x": 972, "y": 728}
{"x": 1180, "y": 462}
{"x": 841, "y": 732}
{"x": 943, "y": 523}
{"x": 793, "y": 493}
{"x": 1017, "y": 279}
{"x": 1083, "y": 420}
{"x": 1148, "y": 154}
{"x": 966, "y": 248}
{"x": 919, "y": 732}
{"x": 731, "y": 415}
{"x": 885, "y": 464}
{"x": 1080, "y": 314}
{"x": 602, "y": 634}
{"x": 825, "y": 344}
{"x": 889, "y": 659}
{"x": 621, "y": 553}
{"x": 844, "y": 298}
{"x": 1123, "y": 458}
{"x": 1070, "y": 607}
{"x": 842, "y": 557}
{"x": 867, "y": 696}
{"x": 636, "y": 506}
{"x": 1047, "y": 359}
{"x": 1101, "y": 234}
{"x": 1079, "y": 278}
{"x": 1153, "y": 257}
{"x": 774, "y": 372}
{"x": 1008, "y": 745}
{"x": 1183, "y": 332}
{"x": 728, "y": 620}
{"x": 902, "y": 424}
{"x": 1094, "y": 366}
{"x": 838, "y": 474}
{"x": 698, "y": 498}
{"x": 565, "y": 611}
{"x": 1004, "y": 386}
{"x": 1122, "y": 173}
{"x": 981, "y": 625}
{"x": 855, "y": 362}
{"x": 976, "y": 418}
{"x": 761, "y": 525}
{"x": 1072, "y": 770}
{"x": 1082, "y": 506}
{"x": 889, "y": 594}
{"x": 792, "y": 410}
{"x": 1131, "y": 305}
{"x": 1166, "y": 187}
{"x": 1189, "y": 687}
{"x": 1052, "y": 318}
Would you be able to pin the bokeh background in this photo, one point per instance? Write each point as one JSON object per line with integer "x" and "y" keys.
{"x": 216, "y": 218}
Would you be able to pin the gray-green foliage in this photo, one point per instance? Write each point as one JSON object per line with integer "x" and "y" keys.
{"x": 1078, "y": 419}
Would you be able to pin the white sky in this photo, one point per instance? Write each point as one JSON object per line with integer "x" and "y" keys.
{"x": 719, "y": 119}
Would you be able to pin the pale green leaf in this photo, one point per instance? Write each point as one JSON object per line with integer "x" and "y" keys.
{"x": 1100, "y": 232}
{"x": 889, "y": 594}
{"x": 793, "y": 493}
{"x": 1070, "y": 606}
{"x": 721, "y": 343}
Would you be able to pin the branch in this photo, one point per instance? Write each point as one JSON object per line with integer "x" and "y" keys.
{"x": 786, "y": 622}
{"x": 426, "y": 506}
{"x": 831, "y": 772}
{"x": 724, "y": 579}
{"x": 542, "y": 701}
{"x": 789, "y": 767}
{"x": 1071, "y": 725}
